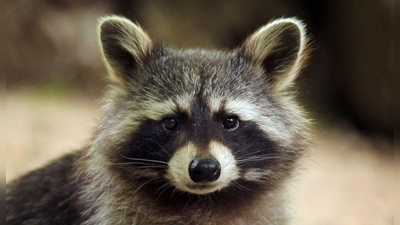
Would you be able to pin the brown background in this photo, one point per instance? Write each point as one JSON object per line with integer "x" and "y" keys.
{"x": 55, "y": 74}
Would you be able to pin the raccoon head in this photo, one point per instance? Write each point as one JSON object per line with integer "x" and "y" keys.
{"x": 199, "y": 121}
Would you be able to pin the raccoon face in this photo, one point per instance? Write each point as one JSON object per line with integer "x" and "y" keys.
{"x": 201, "y": 121}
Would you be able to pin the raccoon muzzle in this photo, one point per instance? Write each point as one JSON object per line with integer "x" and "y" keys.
{"x": 192, "y": 172}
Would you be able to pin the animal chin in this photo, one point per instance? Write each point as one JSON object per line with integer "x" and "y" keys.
{"x": 201, "y": 189}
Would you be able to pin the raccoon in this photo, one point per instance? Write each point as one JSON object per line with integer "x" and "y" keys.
{"x": 186, "y": 136}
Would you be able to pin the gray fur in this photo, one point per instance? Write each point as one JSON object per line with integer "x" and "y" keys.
{"x": 122, "y": 177}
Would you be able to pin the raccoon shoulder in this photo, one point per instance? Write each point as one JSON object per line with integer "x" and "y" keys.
{"x": 46, "y": 195}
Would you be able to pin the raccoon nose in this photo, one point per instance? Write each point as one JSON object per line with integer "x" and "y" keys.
{"x": 204, "y": 170}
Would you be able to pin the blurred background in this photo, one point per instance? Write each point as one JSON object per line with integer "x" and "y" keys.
{"x": 55, "y": 74}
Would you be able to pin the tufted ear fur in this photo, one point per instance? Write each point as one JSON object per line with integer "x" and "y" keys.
{"x": 279, "y": 48}
{"x": 124, "y": 45}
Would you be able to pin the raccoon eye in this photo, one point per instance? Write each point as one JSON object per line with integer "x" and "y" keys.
{"x": 171, "y": 124}
{"x": 230, "y": 123}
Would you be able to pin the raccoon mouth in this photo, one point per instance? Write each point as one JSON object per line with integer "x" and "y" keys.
{"x": 201, "y": 187}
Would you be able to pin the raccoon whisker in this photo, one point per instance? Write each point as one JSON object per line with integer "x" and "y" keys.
{"x": 163, "y": 188}
{"x": 209, "y": 198}
{"x": 143, "y": 185}
{"x": 145, "y": 160}
{"x": 141, "y": 163}
{"x": 254, "y": 153}
{"x": 261, "y": 157}
{"x": 245, "y": 150}
{"x": 187, "y": 202}
{"x": 159, "y": 195}
{"x": 138, "y": 163}
{"x": 266, "y": 151}
{"x": 165, "y": 150}
{"x": 258, "y": 158}
{"x": 152, "y": 167}
{"x": 174, "y": 191}
{"x": 240, "y": 187}
{"x": 215, "y": 196}
{"x": 201, "y": 201}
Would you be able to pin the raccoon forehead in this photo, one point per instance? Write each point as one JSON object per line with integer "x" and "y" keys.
{"x": 194, "y": 65}
{"x": 199, "y": 55}
{"x": 246, "y": 109}
{"x": 156, "y": 110}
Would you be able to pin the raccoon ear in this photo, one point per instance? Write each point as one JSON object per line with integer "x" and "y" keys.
{"x": 279, "y": 48}
{"x": 124, "y": 45}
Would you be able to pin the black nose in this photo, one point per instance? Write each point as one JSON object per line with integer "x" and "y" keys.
{"x": 204, "y": 170}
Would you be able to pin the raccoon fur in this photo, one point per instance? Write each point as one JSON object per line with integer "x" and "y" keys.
{"x": 186, "y": 136}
